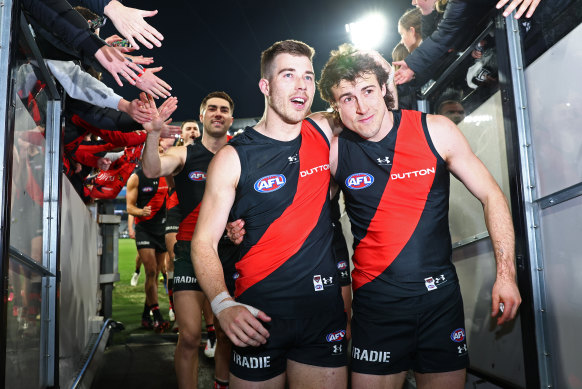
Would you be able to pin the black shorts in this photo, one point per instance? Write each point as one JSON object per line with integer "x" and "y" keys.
{"x": 173, "y": 220}
{"x": 431, "y": 340}
{"x": 145, "y": 239}
{"x": 317, "y": 341}
{"x": 184, "y": 274}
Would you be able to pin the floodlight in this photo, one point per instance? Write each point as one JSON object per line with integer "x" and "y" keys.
{"x": 368, "y": 32}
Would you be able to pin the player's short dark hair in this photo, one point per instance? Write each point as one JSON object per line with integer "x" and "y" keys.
{"x": 293, "y": 47}
{"x": 219, "y": 94}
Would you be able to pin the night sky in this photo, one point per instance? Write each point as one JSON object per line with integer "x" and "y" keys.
{"x": 212, "y": 46}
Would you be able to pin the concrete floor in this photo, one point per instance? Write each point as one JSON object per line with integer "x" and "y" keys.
{"x": 146, "y": 361}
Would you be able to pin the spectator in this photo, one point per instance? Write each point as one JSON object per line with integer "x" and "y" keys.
{"x": 409, "y": 26}
{"x": 459, "y": 16}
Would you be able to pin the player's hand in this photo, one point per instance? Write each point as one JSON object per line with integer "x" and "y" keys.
{"x": 505, "y": 292}
{"x": 242, "y": 328}
{"x": 404, "y": 74}
{"x": 235, "y": 231}
{"x": 147, "y": 210}
{"x": 529, "y": 5}
{"x": 131, "y": 234}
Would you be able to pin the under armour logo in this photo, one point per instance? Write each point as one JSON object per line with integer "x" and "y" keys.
{"x": 327, "y": 280}
{"x": 293, "y": 158}
{"x": 337, "y": 348}
{"x": 462, "y": 349}
{"x": 344, "y": 274}
{"x": 440, "y": 279}
{"x": 383, "y": 161}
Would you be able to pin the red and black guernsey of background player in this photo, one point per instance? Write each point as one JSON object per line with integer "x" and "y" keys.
{"x": 397, "y": 198}
{"x": 287, "y": 266}
{"x": 152, "y": 192}
{"x": 190, "y": 183}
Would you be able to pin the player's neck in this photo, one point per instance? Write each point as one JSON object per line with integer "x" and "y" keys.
{"x": 213, "y": 144}
{"x": 273, "y": 126}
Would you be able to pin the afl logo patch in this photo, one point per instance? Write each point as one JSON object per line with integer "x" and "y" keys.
{"x": 359, "y": 181}
{"x": 336, "y": 336}
{"x": 270, "y": 183}
{"x": 147, "y": 189}
{"x": 458, "y": 335}
{"x": 342, "y": 265}
{"x": 197, "y": 176}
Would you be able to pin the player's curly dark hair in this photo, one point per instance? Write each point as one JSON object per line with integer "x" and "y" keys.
{"x": 347, "y": 63}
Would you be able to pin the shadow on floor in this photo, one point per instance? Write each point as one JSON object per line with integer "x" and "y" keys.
{"x": 146, "y": 361}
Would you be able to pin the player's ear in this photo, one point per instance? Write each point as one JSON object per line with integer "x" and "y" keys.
{"x": 383, "y": 89}
{"x": 264, "y": 86}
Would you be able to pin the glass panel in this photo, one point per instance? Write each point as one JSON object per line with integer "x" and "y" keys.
{"x": 561, "y": 231}
{"x": 493, "y": 350}
{"x": 555, "y": 115}
{"x": 23, "y": 327}
{"x": 550, "y": 23}
{"x": 471, "y": 99}
{"x": 28, "y": 161}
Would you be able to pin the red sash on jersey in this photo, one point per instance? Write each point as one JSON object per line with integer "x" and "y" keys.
{"x": 276, "y": 246}
{"x": 402, "y": 203}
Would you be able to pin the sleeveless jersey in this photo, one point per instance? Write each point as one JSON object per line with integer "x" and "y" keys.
{"x": 152, "y": 192}
{"x": 287, "y": 264}
{"x": 397, "y": 198}
{"x": 172, "y": 201}
{"x": 190, "y": 184}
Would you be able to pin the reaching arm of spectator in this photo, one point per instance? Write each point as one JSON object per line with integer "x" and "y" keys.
{"x": 103, "y": 118}
{"x": 81, "y": 85}
{"x": 153, "y": 85}
{"x": 131, "y": 24}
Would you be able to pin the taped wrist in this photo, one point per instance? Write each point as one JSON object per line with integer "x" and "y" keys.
{"x": 223, "y": 300}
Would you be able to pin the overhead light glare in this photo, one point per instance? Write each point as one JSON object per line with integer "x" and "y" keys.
{"x": 368, "y": 32}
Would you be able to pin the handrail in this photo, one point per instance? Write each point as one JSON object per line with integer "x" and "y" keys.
{"x": 108, "y": 322}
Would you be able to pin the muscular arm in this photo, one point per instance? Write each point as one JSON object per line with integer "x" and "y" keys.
{"x": 156, "y": 165}
{"x": 131, "y": 197}
{"x": 464, "y": 164}
{"x": 223, "y": 173}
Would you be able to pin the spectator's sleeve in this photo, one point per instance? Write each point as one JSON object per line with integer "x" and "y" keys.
{"x": 81, "y": 85}
{"x": 103, "y": 118}
{"x": 96, "y": 6}
{"x": 59, "y": 18}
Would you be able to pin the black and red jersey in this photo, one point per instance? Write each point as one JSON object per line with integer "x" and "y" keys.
{"x": 172, "y": 201}
{"x": 287, "y": 266}
{"x": 397, "y": 198}
{"x": 152, "y": 192}
{"x": 190, "y": 184}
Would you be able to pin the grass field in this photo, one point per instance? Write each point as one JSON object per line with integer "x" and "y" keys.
{"x": 128, "y": 300}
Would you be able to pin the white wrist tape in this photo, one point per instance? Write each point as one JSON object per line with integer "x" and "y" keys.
{"x": 223, "y": 301}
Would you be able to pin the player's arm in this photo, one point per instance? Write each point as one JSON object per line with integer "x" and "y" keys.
{"x": 130, "y": 227}
{"x": 155, "y": 165}
{"x": 131, "y": 196}
{"x": 464, "y": 164}
{"x": 241, "y": 326}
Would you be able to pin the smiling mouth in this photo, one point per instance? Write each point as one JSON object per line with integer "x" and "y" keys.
{"x": 299, "y": 101}
{"x": 366, "y": 119}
